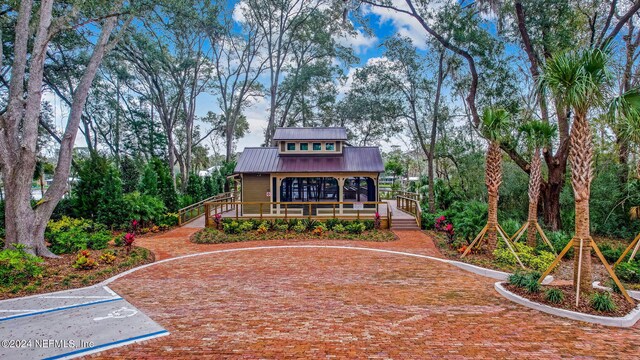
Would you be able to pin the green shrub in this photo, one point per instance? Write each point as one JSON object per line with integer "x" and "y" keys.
{"x": 468, "y": 218}
{"x": 560, "y": 239}
{"x": 281, "y": 227}
{"x": 611, "y": 254}
{"x": 539, "y": 261}
{"x": 246, "y": 226}
{"x": 300, "y": 227}
{"x": 602, "y": 301}
{"x": 168, "y": 220}
{"x": 518, "y": 278}
{"x": 17, "y": 267}
{"x": 628, "y": 271}
{"x": 98, "y": 194}
{"x": 368, "y": 224}
{"x": 310, "y": 224}
{"x": 142, "y": 207}
{"x": 331, "y": 223}
{"x": 69, "y": 235}
{"x": 510, "y": 226}
{"x": 231, "y": 227}
{"x": 355, "y": 227}
{"x": 524, "y": 279}
{"x": 339, "y": 228}
{"x": 98, "y": 240}
{"x": 532, "y": 285}
{"x": 554, "y": 296}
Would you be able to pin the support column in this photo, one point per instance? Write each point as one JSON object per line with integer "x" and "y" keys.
{"x": 277, "y": 189}
{"x": 341, "y": 193}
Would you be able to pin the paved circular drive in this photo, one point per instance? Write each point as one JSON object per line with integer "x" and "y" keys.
{"x": 344, "y": 303}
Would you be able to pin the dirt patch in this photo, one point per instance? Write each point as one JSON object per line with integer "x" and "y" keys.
{"x": 623, "y": 307}
{"x": 59, "y": 273}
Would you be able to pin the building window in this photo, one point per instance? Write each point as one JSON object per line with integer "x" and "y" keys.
{"x": 304, "y": 146}
{"x": 317, "y": 146}
{"x": 330, "y": 146}
{"x": 291, "y": 146}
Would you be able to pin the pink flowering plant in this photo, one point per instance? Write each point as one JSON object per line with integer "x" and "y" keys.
{"x": 377, "y": 221}
{"x": 217, "y": 218}
{"x": 129, "y": 238}
{"x": 443, "y": 225}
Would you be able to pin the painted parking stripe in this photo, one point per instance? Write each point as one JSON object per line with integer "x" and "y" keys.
{"x": 76, "y": 297}
{"x": 109, "y": 345}
{"x": 59, "y": 309}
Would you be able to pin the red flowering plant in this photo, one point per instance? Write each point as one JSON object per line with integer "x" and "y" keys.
{"x": 134, "y": 225}
{"x": 217, "y": 218}
{"x": 377, "y": 221}
{"x": 443, "y": 225}
{"x": 129, "y": 238}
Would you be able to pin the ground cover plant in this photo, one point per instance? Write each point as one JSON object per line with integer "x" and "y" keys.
{"x": 22, "y": 274}
{"x": 293, "y": 229}
{"x": 596, "y": 302}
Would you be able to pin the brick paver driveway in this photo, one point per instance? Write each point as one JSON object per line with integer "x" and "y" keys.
{"x": 342, "y": 303}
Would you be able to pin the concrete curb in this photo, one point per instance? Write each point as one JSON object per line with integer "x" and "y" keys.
{"x": 493, "y": 274}
{"x": 625, "y": 321}
{"x": 490, "y": 273}
{"x": 633, "y": 293}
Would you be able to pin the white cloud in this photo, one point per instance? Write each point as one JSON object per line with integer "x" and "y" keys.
{"x": 359, "y": 41}
{"x": 406, "y": 25}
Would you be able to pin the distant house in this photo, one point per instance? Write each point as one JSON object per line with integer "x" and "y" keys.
{"x": 309, "y": 165}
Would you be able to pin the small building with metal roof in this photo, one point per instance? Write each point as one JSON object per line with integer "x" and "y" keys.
{"x": 309, "y": 165}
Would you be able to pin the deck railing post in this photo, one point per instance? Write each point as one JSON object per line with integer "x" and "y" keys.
{"x": 309, "y": 211}
{"x": 334, "y": 210}
{"x": 261, "y": 211}
{"x": 286, "y": 211}
{"x": 236, "y": 212}
{"x": 206, "y": 215}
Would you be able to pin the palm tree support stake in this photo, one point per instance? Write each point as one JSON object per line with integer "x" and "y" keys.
{"x": 524, "y": 228}
{"x": 635, "y": 244}
{"x": 600, "y": 256}
{"x": 478, "y": 241}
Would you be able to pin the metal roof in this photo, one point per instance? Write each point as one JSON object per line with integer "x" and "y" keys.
{"x": 267, "y": 160}
{"x": 315, "y": 133}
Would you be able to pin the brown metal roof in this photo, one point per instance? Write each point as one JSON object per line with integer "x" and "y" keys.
{"x": 266, "y": 160}
{"x": 315, "y": 133}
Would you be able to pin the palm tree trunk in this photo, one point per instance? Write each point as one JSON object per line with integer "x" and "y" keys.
{"x": 581, "y": 157}
{"x": 493, "y": 179}
{"x": 535, "y": 178}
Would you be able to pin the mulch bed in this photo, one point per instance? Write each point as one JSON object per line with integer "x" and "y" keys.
{"x": 60, "y": 275}
{"x": 584, "y": 306}
{"x": 213, "y": 236}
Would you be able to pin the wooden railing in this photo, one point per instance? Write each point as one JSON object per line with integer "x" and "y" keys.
{"x": 296, "y": 210}
{"x": 410, "y": 204}
{"x": 194, "y": 211}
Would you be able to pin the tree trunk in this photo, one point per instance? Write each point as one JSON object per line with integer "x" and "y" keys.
{"x": 582, "y": 234}
{"x": 581, "y": 156}
{"x": 493, "y": 180}
{"x": 492, "y": 231}
{"x": 535, "y": 178}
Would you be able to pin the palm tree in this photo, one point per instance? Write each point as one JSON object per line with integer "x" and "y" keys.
{"x": 579, "y": 80}
{"x": 538, "y": 135}
{"x": 624, "y": 112}
{"x": 494, "y": 121}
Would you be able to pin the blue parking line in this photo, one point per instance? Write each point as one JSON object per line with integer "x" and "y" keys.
{"x": 58, "y": 309}
{"x": 93, "y": 348}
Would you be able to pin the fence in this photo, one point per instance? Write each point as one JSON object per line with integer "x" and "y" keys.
{"x": 194, "y": 211}
{"x": 410, "y": 203}
{"x": 298, "y": 209}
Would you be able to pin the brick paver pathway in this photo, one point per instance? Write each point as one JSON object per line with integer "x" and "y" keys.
{"x": 342, "y": 303}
